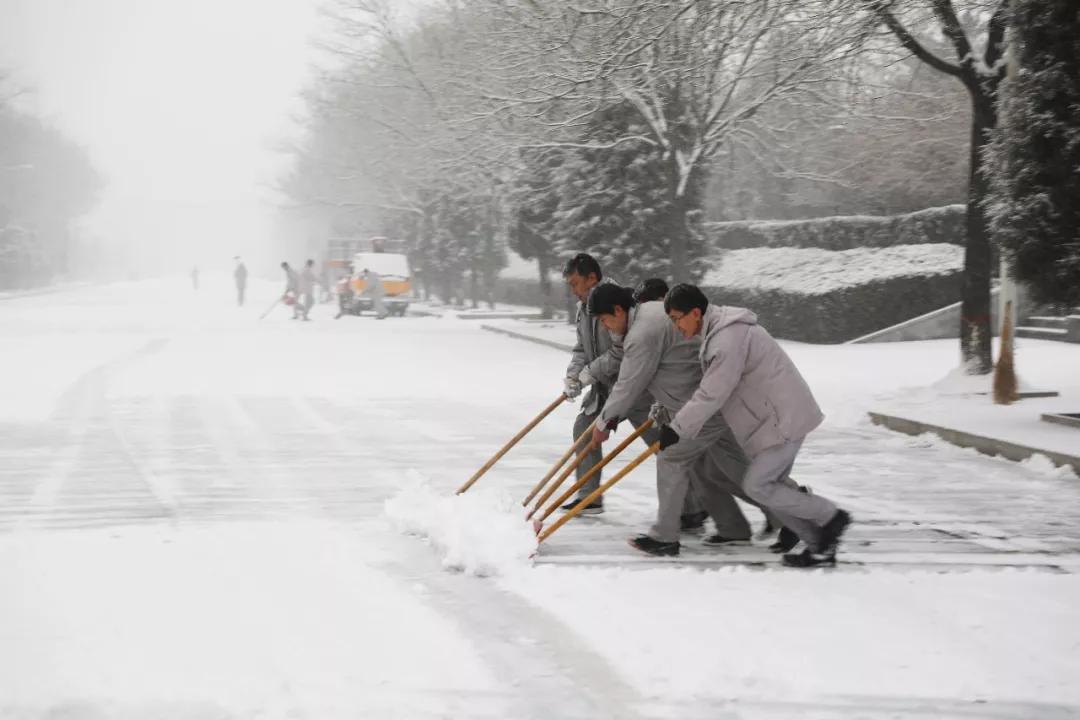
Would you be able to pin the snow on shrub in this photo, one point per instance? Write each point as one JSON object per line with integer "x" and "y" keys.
{"x": 822, "y": 296}
{"x": 811, "y": 271}
{"x": 482, "y": 532}
{"x": 933, "y": 225}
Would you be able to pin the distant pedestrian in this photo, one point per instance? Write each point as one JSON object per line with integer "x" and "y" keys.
{"x": 292, "y": 289}
{"x": 195, "y": 277}
{"x": 306, "y": 289}
{"x": 240, "y": 275}
{"x": 373, "y": 288}
{"x": 327, "y": 282}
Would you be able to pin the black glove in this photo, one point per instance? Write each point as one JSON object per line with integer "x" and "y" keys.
{"x": 668, "y": 437}
{"x": 611, "y": 425}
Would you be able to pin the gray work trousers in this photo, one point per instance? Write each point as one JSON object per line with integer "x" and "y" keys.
{"x": 767, "y": 482}
{"x": 713, "y": 464}
{"x": 637, "y": 416}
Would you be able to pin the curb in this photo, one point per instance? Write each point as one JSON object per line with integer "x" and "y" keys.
{"x": 528, "y": 338}
{"x": 43, "y": 290}
{"x": 984, "y": 445}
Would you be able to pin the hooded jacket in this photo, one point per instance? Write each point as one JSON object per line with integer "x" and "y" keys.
{"x": 748, "y": 377}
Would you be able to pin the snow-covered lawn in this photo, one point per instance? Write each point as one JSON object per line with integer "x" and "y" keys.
{"x": 204, "y": 515}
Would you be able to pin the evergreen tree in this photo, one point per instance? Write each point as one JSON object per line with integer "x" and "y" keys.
{"x": 1035, "y": 205}
{"x": 533, "y": 200}
{"x": 616, "y": 204}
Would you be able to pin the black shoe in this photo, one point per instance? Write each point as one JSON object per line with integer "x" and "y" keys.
{"x": 719, "y": 540}
{"x": 833, "y": 531}
{"x": 594, "y": 509}
{"x": 767, "y": 530}
{"x": 647, "y": 545}
{"x": 693, "y": 522}
{"x": 785, "y": 541}
{"x": 810, "y": 559}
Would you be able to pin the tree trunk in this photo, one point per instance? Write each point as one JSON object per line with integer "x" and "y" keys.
{"x": 546, "y": 310}
{"x": 474, "y": 288}
{"x": 679, "y": 235}
{"x": 975, "y": 332}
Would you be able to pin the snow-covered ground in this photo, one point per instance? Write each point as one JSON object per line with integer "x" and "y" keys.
{"x": 204, "y": 515}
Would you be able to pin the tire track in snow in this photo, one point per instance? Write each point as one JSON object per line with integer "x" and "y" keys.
{"x": 80, "y": 408}
{"x": 549, "y": 669}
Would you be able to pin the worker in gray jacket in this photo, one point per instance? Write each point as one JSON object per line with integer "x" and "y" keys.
{"x": 582, "y": 274}
{"x": 292, "y": 288}
{"x": 373, "y": 288}
{"x": 658, "y": 361}
{"x": 594, "y": 366}
{"x": 306, "y": 288}
{"x": 749, "y": 378}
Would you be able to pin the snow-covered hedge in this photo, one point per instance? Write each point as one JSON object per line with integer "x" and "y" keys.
{"x": 932, "y": 225}
{"x": 822, "y": 296}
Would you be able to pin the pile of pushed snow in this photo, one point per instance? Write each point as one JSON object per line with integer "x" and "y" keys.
{"x": 812, "y": 271}
{"x": 1042, "y": 465}
{"x": 482, "y": 532}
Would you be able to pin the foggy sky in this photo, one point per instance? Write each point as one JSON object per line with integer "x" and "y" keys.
{"x": 182, "y": 105}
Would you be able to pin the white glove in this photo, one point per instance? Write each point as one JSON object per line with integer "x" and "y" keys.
{"x": 659, "y": 414}
{"x": 585, "y": 377}
{"x": 571, "y": 387}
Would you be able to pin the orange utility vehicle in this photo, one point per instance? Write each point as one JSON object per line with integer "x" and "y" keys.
{"x": 391, "y": 267}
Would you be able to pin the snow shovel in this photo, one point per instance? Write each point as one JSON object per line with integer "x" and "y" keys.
{"x": 276, "y": 301}
{"x": 513, "y": 441}
{"x": 598, "y": 492}
{"x": 596, "y": 468}
{"x": 585, "y": 452}
{"x": 562, "y": 461}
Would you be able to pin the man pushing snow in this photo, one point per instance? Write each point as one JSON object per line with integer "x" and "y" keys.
{"x": 749, "y": 378}
{"x": 657, "y": 361}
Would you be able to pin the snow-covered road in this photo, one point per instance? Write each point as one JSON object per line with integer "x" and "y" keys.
{"x": 192, "y": 526}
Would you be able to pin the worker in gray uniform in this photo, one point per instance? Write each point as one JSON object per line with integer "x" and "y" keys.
{"x": 657, "y": 360}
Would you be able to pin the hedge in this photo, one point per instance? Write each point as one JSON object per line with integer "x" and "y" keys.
{"x": 846, "y": 313}
{"x": 933, "y": 225}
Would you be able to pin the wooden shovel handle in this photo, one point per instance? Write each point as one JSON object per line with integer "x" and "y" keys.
{"x": 598, "y": 492}
{"x": 562, "y": 461}
{"x": 597, "y": 468}
{"x": 513, "y": 441}
{"x": 585, "y": 452}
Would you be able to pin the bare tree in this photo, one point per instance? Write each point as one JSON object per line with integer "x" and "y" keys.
{"x": 976, "y": 34}
{"x": 695, "y": 71}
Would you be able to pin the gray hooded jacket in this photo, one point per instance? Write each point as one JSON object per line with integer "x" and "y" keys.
{"x": 750, "y": 379}
{"x": 655, "y": 359}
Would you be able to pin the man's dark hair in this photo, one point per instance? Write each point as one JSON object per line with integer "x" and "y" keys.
{"x": 284, "y": 264}
{"x": 310, "y": 262}
{"x": 604, "y": 299}
{"x": 583, "y": 264}
{"x": 684, "y": 298}
{"x": 651, "y": 289}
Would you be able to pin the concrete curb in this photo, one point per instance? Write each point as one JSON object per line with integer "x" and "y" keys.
{"x": 985, "y": 445}
{"x": 44, "y": 290}
{"x": 529, "y": 338}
